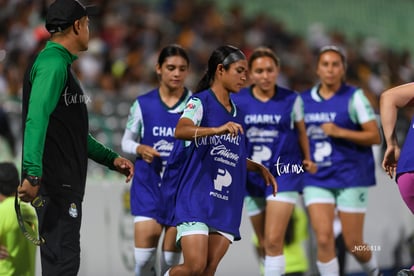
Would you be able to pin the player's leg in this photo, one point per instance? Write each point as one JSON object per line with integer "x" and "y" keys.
{"x": 255, "y": 207}
{"x": 193, "y": 238}
{"x": 406, "y": 186}
{"x": 320, "y": 203}
{"x": 218, "y": 244}
{"x": 170, "y": 254}
{"x": 352, "y": 205}
{"x": 147, "y": 232}
{"x": 279, "y": 209}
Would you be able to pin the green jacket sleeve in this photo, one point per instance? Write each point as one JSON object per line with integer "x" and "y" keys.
{"x": 48, "y": 77}
{"x": 100, "y": 153}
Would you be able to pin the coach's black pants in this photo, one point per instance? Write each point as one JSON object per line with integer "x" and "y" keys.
{"x": 59, "y": 225}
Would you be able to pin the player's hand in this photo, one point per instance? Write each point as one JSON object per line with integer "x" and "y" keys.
{"x": 268, "y": 178}
{"x": 125, "y": 167}
{"x": 310, "y": 166}
{"x": 3, "y": 252}
{"x": 330, "y": 129}
{"x": 389, "y": 163}
{"x": 26, "y": 191}
{"x": 264, "y": 172}
{"x": 230, "y": 127}
{"x": 147, "y": 153}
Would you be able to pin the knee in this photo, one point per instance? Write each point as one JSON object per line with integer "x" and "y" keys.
{"x": 196, "y": 268}
{"x": 274, "y": 245}
{"x": 325, "y": 239}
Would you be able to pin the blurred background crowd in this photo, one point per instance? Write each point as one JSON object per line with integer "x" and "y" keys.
{"x": 127, "y": 35}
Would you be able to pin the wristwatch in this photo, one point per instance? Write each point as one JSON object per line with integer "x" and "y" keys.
{"x": 33, "y": 180}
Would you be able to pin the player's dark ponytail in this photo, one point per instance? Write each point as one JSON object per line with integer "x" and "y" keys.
{"x": 224, "y": 55}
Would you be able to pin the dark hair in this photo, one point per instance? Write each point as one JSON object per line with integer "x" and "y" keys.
{"x": 225, "y": 55}
{"x": 263, "y": 52}
{"x": 332, "y": 48}
{"x": 9, "y": 178}
{"x": 172, "y": 50}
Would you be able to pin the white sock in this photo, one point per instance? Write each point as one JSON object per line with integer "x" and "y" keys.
{"x": 330, "y": 268}
{"x": 371, "y": 267}
{"x": 144, "y": 261}
{"x": 168, "y": 259}
{"x": 274, "y": 265}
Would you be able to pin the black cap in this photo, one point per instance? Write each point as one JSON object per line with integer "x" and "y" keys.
{"x": 63, "y": 13}
{"x": 9, "y": 178}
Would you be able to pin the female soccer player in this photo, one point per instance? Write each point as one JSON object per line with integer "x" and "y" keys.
{"x": 399, "y": 162}
{"x": 210, "y": 166}
{"x": 149, "y": 134}
{"x": 277, "y": 139}
{"x": 341, "y": 127}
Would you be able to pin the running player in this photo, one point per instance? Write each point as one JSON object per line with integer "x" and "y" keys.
{"x": 149, "y": 134}
{"x": 277, "y": 139}
{"x": 399, "y": 162}
{"x": 210, "y": 166}
{"x": 341, "y": 127}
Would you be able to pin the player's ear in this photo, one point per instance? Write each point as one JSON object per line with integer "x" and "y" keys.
{"x": 220, "y": 68}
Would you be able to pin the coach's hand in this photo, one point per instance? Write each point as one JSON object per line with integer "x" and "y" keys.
{"x": 124, "y": 166}
{"x": 26, "y": 191}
